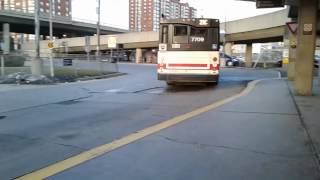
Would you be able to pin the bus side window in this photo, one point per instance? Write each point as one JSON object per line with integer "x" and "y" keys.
{"x": 164, "y": 35}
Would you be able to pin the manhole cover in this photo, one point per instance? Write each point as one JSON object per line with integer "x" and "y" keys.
{"x": 2, "y": 117}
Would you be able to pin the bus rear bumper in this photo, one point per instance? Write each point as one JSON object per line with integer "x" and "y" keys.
{"x": 188, "y": 78}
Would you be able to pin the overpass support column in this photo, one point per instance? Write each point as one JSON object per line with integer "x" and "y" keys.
{"x": 249, "y": 55}
{"x": 138, "y": 55}
{"x": 228, "y": 48}
{"x": 292, "y": 57}
{"x": 306, "y": 47}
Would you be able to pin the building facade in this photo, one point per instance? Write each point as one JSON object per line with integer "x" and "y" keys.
{"x": 145, "y": 15}
{"x": 60, "y": 7}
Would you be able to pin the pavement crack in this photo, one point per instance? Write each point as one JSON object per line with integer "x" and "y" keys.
{"x": 267, "y": 113}
{"x": 72, "y": 146}
{"x": 202, "y": 145}
{"x": 45, "y": 104}
{"x": 148, "y": 89}
{"x": 19, "y": 137}
{"x": 304, "y": 125}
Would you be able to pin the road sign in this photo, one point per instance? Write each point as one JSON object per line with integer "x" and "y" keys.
{"x": 67, "y": 62}
{"x": 50, "y": 45}
{"x": 112, "y": 42}
{"x": 307, "y": 29}
{"x": 293, "y": 27}
{"x": 269, "y": 3}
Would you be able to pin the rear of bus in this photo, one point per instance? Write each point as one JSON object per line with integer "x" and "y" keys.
{"x": 189, "y": 51}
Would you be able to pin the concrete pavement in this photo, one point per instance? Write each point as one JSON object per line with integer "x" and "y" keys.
{"x": 258, "y": 136}
{"x": 309, "y": 112}
{"x": 50, "y": 126}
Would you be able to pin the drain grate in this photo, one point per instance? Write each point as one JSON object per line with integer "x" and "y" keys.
{"x": 2, "y": 117}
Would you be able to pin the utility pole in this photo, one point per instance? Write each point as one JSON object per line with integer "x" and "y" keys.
{"x": 51, "y": 38}
{"x": 98, "y": 30}
{"x": 36, "y": 61}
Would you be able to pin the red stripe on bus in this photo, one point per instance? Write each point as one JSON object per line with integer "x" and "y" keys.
{"x": 188, "y": 65}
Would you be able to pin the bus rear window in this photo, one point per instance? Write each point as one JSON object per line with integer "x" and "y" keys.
{"x": 199, "y": 32}
{"x": 180, "y": 35}
{"x": 180, "y": 30}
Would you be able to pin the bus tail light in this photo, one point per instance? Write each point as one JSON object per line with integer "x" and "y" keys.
{"x": 214, "y": 67}
{"x": 162, "y": 66}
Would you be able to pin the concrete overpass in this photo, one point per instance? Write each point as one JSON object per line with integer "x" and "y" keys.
{"x": 302, "y": 45}
{"x": 250, "y": 30}
{"x": 264, "y": 28}
{"x": 258, "y": 29}
{"x": 21, "y": 22}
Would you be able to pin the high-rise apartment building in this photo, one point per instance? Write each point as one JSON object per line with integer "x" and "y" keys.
{"x": 144, "y": 15}
{"x": 60, "y": 7}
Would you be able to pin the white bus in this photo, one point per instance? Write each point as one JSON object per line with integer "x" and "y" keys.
{"x": 189, "y": 51}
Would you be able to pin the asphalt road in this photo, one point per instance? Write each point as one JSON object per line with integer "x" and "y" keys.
{"x": 44, "y": 125}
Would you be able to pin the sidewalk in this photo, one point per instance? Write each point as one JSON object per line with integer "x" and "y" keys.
{"x": 257, "y": 136}
{"x": 309, "y": 108}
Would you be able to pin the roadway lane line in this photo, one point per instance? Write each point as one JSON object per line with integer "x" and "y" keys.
{"x": 105, "y": 148}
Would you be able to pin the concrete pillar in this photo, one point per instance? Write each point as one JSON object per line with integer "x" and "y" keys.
{"x": 292, "y": 56}
{"x": 306, "y": 47}
{"x": 5, "y": 46}
{"x": 228, "y": 48}
{"x": 138, "y": 55}
{"x": 6, "y": 38}
{"x": 249, "y": 55}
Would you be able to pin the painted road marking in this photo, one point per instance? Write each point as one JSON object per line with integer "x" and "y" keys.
{"x": 103, "y": 149}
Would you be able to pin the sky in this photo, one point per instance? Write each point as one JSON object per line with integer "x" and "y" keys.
{"x": 115, "y": 12}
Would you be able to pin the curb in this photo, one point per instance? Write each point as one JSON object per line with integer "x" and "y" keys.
{"x": 101, "y": 77}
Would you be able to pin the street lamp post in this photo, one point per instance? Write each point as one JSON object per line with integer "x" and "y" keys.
{"x": 36, "y": 62}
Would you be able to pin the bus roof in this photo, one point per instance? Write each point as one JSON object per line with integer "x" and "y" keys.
{"x": 196, "y": 22}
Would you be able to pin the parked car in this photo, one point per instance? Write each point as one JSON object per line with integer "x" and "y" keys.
{"x": 230, "y": 61}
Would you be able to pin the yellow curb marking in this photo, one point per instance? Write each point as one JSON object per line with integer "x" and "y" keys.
{"x": 105, "y": 148}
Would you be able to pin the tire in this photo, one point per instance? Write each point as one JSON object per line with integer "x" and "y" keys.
{"x": 229, "y": 63}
